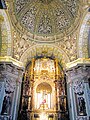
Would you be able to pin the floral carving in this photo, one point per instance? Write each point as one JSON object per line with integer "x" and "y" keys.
{"x": 20, "y": 4}
{"x": 46, "y": 17}
{"x": 71, "y": 6}
{"x": 62, "y": 20}
{"x": 10, "y": 84}
{"x": 46, "y": 1}
{"x": 28, "y": 20}
{"x": 21, "y": 44}
{"x": 45, "y": 26}
{"x": 69, "y": 46}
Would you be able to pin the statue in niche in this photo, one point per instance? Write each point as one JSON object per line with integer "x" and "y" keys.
{"x": 62, "y": 105}
{"x": 82, "y": 108}
{"x": 6, "y": 105}
{"x": 25, "y": 104}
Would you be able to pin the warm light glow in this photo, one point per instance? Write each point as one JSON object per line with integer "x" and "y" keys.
{"x": 43, "y": 116}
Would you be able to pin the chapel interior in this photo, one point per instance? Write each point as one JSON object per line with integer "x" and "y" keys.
{"x": 44, "y": 59}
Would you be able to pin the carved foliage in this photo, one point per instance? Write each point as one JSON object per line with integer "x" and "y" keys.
{"x": 71, "y": 6}
{"x": 46, "y": 17}
{"x": 45, "y": 26}
{"x": 20, "y": 4}
{"x": 62, "y": 20}
{"x": 28, "y": 20}
{"x": 46, "y": 1}
{"x": 10, "y": 84}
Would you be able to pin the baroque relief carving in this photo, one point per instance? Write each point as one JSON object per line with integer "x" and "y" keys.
{"x": 57, "y": 21}
{"x": 69, "y": 46}
{"x": 9, "y": 78}
{"x": 78, "y": 87}
{"x": 28, "y": 20}
{"x": 20, "y": 4}
{"x": 45, "y": 26}
{"x": 62, "y": 21}
{"x": 10, "y": 84}
{"x": 21, "y": 44}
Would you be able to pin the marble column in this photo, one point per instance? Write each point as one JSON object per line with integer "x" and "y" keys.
{"x": 78, "y": 90}
{"x": 10, "y": 89}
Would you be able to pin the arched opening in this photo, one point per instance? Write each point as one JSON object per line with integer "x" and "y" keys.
{"x": 43, "y": 93}
{"x": 44, "y": 90}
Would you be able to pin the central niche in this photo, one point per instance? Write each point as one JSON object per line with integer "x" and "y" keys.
{"x": 43, "y": 92}
{"x": 44, "y": 87}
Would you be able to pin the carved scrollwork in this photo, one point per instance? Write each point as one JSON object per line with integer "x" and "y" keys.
{"x": 78, "y": 87}
{"x": 45, "y": 26}
{"x": 28, "y": 19}
{"x": 46, "y": 17}
{"x": 10, "y": 85}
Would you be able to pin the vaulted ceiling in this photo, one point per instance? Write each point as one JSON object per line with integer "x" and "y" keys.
{"x": 47, "y": 28}
{"x": 46, "y": 18}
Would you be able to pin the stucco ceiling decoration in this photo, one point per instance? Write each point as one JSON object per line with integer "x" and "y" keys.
{"x": 46, "y": 1}
{"x": 47, "y": 18}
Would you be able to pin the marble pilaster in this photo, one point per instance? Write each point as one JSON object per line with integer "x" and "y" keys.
{"x": 10, "y": 89}
{"x": 78, "y": 91}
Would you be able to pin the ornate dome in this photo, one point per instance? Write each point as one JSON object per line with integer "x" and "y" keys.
{"x": 47, "y": 17}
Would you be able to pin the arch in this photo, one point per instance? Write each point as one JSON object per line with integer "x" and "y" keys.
{"x": 47, "y": 50}
{"x": 44, "y": 86}
{"x": 83, "y": 37}
{"x": 6, "y": 43}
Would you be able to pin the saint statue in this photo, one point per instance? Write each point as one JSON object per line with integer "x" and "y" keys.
{"x": 6, "y": 105}
{"x": 82, "y": 108}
